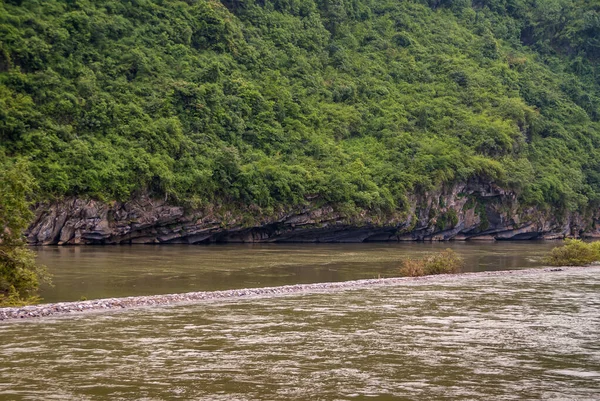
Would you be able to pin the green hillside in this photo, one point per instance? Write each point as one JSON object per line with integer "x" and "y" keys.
{"x": 274, "y": 103}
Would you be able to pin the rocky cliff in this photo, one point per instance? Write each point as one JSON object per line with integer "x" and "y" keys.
{"x": 467, "y": 211}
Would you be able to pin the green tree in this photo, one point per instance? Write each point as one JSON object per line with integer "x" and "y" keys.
{"x": 279, "y": 103}
{"x": 20, "y": 275}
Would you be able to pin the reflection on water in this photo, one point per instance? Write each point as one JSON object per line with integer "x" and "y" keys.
{"x": 117, "y": 271}
{"x": 502, "y": 338}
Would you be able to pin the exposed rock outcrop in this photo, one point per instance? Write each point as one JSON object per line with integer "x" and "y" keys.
{"x": 468, "y": 211}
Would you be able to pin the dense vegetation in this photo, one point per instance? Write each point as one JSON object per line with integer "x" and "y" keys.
{"x": 20, "y": 275}
{"x": 445, "y": 262}
{"x": 574, "y": 253}
{"x": 270, "y": 103}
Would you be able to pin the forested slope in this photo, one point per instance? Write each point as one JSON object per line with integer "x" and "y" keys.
{"x": 353, "y": 103}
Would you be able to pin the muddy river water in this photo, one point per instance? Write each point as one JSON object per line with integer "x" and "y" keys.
{"x": 500, "y": 337}
{"x": 118, "y": 271}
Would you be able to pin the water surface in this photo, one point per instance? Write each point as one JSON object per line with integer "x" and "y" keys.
{"x": 508, "y": 337}
{"x": 118, "y": 271}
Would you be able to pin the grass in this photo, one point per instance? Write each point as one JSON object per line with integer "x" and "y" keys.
{"x": 445, "y": 262}
{"x": 574, "y": 253}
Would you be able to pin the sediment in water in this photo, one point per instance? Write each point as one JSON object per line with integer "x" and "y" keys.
{"x": 69, "y": 308}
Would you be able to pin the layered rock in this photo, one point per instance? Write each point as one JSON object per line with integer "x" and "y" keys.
{"x": 467, "y": 211}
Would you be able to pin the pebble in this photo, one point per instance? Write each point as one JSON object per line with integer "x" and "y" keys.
{"x": 63, "y": 308}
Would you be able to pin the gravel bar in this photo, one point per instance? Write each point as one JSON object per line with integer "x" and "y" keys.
{"x": 66, "y": 308}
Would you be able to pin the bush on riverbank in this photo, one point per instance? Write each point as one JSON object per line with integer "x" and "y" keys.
{"x": 574, "y": 252}
{"x": 20, "y": 274}
{"x": 445, "y": 262}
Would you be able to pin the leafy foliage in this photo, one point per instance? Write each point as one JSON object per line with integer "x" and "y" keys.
{"x": 574, "y": 253}
{"x": 273, "y": 102}
{"x": 20, "y": 275}
{"x": 445, "y": 262}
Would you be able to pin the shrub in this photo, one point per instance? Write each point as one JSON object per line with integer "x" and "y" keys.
{"x": 447, "y": 220}
{"x": 20, "y": 275}
{"x": 193, "y": 100}
{"x": 574, "y": 252}
{"x": 413, "y": 268}
{"x": 445, "y": 262}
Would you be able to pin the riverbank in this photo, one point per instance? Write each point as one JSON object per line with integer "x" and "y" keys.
{"x": 473, "y": 210}
{"x": 108, "y": 304}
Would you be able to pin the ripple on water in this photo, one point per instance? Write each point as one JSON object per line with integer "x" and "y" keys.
{"x": 497, "y": 337}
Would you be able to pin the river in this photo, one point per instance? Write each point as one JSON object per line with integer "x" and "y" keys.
{"x": 501, "y": 337}
{"x": 117, "y": 271}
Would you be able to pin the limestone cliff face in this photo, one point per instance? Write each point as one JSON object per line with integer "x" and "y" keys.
{"x": 467, "y": 211}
